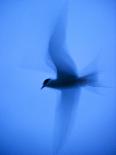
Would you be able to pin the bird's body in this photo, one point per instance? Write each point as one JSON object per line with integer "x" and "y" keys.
{"x": 68, "y": 82}
{"x": 62, "y": 83}
{"x": 71, "y": 81}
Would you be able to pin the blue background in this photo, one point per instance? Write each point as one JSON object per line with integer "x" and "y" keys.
{"x": 26, "y": 112}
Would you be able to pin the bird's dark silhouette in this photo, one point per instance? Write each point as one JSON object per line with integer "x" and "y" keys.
{"x": 67, "y": 80}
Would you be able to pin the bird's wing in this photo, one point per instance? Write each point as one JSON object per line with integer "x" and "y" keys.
{"x": 57, "y": 46}
{"x": 65, "y": 113}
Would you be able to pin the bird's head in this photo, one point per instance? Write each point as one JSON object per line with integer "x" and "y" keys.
{"x": 45, "y": 83}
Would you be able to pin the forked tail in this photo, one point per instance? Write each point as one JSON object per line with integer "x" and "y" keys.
{"x": 90, "y": 79}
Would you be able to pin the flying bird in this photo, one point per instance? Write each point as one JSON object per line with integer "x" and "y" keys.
{"x": 67, "y": 80}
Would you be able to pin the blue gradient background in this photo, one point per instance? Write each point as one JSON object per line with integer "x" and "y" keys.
{"x": 26, "y": 112}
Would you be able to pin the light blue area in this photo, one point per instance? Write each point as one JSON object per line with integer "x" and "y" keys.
{"x": 27, "y": 112}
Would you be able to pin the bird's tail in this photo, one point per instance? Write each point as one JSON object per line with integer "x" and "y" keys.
{"x": 92, "y": 75}
{"x": 92, "y": 83}
{"x": 90, "y": 79}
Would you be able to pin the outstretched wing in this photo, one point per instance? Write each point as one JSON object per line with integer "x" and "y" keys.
{"x": 57, "y": 46}
{"x": 65, "y": 113}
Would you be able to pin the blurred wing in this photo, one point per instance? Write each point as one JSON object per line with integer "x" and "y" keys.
{"x": 57, "y": 47}
{"x": 64, "y": 116}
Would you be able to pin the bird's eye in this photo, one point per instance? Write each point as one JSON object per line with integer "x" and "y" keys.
{"x": 46, "y": 81}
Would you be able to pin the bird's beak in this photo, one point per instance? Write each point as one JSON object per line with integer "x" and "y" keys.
{"x": 42, "y": 87}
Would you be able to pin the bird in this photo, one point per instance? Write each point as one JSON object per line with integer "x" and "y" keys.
{"x": 67, "y": 80}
